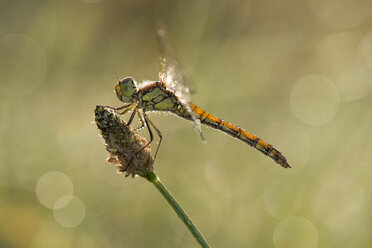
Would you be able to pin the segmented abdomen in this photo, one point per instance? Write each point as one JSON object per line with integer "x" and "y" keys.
{"x": 239, "y": 133}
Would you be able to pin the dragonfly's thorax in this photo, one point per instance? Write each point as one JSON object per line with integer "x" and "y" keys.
{"x": 156, "y": 97}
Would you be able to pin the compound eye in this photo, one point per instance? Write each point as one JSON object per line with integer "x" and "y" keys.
{"x": 126, "y": 86}
{"x": 125, "y": 90}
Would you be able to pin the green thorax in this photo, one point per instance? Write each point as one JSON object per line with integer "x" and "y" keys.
{"x": 156, "y": 97}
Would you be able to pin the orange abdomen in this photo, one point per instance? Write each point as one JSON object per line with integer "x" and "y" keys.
{"x": 239, "y": 133}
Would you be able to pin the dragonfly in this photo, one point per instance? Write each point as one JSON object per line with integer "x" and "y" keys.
{"x": 171, "y": 93}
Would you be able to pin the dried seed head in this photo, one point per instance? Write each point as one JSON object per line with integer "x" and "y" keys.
{"x": 123, "y": 144}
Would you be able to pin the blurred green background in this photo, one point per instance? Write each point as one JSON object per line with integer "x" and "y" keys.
{"x": 296, "y": 73}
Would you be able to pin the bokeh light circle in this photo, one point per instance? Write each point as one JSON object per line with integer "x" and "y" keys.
{"x": 315, "y": 99}
{"x": 51, "y": 186}
{"x": 295, "y": 231}
{"x": 23, "y": 65}
{"x": 70, "y": 215}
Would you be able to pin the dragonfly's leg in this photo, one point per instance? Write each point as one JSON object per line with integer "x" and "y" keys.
{"x": 150, "y": 133}
{"x": 123, "y": 107}
{"x": 148, "y": 120}
{"x": 125, "y": 111}
{"x": 131, "y": 117}
{"x": 130, "y": 107}
{"x": 141, "y": 120}
{"x": 148, "y": 128}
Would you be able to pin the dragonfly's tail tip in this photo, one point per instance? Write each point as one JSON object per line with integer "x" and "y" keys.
{"x": 286, "y": 165}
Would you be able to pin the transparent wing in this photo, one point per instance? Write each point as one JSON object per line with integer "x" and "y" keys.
{"x": 171, "y": 73}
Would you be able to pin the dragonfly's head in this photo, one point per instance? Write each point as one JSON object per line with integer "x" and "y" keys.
{"x": 125, "y": 90}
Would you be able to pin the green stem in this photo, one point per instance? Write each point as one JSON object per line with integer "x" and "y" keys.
{"x": 152, "y": 177}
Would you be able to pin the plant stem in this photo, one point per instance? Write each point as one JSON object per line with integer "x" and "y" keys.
{"x": 152, "y": 177}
